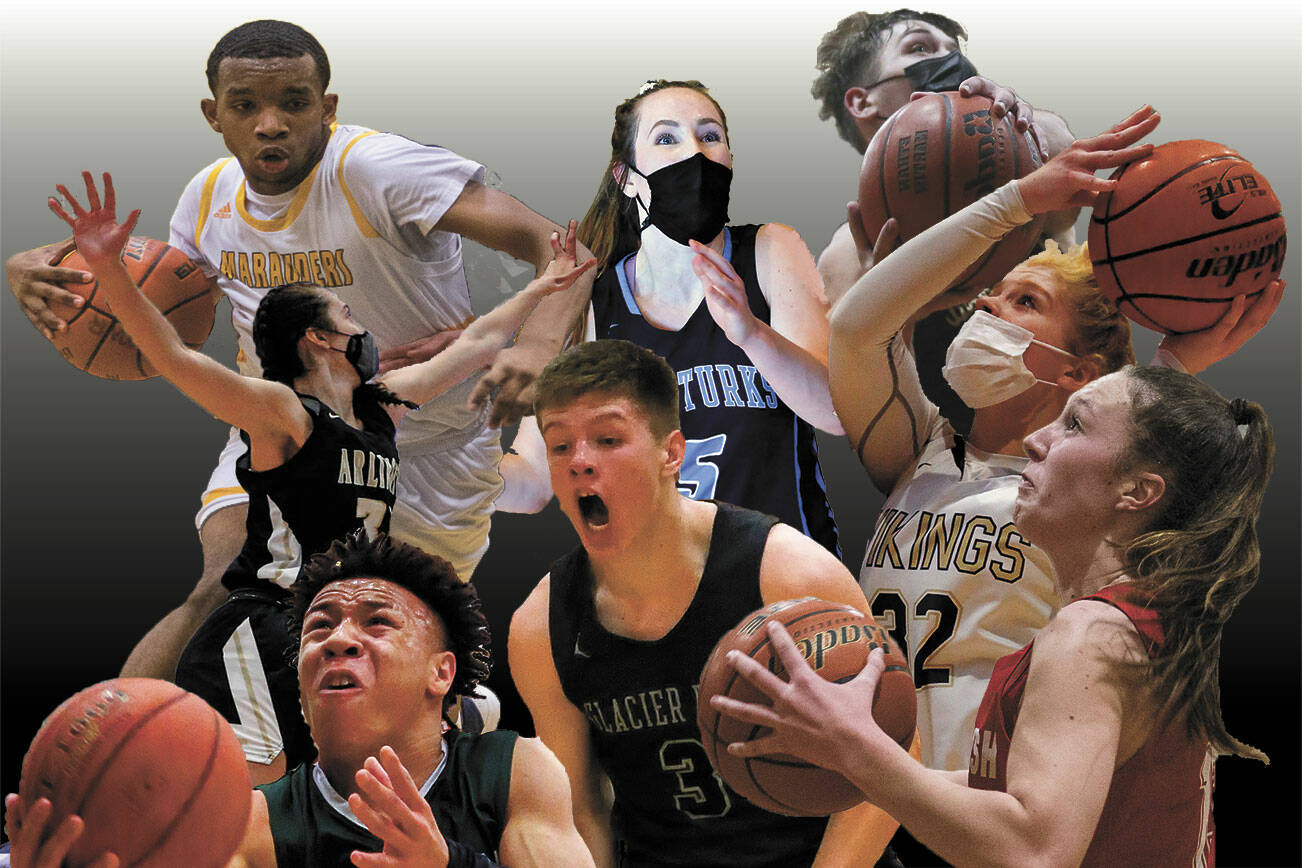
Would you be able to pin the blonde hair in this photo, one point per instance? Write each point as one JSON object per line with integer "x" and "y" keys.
{"x": 1101, "y": 333}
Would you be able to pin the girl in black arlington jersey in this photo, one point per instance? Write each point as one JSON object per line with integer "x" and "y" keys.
{"x": 321, "y": 459}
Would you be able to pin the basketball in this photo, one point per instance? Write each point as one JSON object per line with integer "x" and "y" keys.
{"x": 96, "y": 343}
{"x": 836, "y": 640}
{"x": 156, "y": 774}
{"x": 937, "y": 155}
{"x": 1186, "y": 230}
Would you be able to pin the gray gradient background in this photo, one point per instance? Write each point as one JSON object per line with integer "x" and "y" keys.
{"x": 100, "y": 479}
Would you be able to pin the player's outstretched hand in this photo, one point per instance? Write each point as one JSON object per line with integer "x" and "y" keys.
{"x": 564, "y": 268}
{"x": 99, "y": 236}
{"x": 814, "y": 719}
{"x": 1199, "y": 350}
{"x": 1068, "y": 181}
{"x": 725, "y": 294}
{"x": 30, "y": 847}
{"x": 37, "y": 283}
{"x": 391, "y": 807}
{"x": 509, "y": 381}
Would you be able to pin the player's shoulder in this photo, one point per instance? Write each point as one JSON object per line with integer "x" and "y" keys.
{"x": 1092, "y": 629}
{"x": 529, "y": 623}
{"x": 535, "y": 771}
{"x": 796, "y": 566}
{"x": 780, "y": 240}
{"x": 361, "y": 150}
{"x": 209, "y": 174}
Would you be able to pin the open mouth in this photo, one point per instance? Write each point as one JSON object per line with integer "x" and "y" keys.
{"x": 339, "y": 682}
{"x": 273, "y": 161}
{"x": 593, "y": 509}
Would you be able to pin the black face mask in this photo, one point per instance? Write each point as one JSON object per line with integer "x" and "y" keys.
{"x": 936, "y": 74}
{"x": 362, "y": 354}
{"x": 689, "y": 199}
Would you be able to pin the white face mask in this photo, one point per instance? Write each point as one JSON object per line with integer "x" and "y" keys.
{"x": 984, "y": 363}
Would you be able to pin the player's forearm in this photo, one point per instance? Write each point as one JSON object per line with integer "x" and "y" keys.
{"x": 556, "y": 314}
{"x": 893, "y": 290}
{"x": 151, "y": 332}
{"x": 856, "y": 837}
{"x": 965, "y": 826}
{"x": 799, "y": 378}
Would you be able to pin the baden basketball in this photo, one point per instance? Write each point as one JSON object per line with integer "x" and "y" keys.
{"x": 96, "y": 342}
{"x": 156, "y": 774}
{"x": 836, "y": 640}
{"x": 937, "y": 155}
{"x": 1186, "y": 230}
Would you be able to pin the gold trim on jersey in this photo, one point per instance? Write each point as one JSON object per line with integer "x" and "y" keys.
{"x": 295, "y": 207}
{"x": 213, "y": 494}
{"x": 205, "y": 198}
{"x": 363, "y": 225}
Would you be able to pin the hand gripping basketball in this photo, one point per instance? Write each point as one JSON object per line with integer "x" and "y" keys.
{"x": 819, "y": 721}
{"x": 1068, "y": 181}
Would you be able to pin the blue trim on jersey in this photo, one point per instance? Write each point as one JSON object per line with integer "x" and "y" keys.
{"x": 822, "y": 483}
{"x": 795, "y": 459}
{"x": 622, "y": 273}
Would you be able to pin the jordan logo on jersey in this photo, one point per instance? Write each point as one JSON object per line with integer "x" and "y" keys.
{"x": 266, "y": 270}
{"x": 729, "y": 385}
{"x": 368, "y": 469}
{"x": 224, "y": 212}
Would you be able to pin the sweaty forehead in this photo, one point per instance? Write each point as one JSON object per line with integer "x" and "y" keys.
{"x": 370, "y": 593}
{"x": 277, "y": 73}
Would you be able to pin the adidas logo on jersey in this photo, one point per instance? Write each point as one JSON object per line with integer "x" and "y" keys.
{"x": 224, "y": 212}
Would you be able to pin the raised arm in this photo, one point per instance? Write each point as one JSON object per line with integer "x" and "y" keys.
{"x": 270, "y": 412}
{"x": 790, "y": 351}
{"x": 481, "y": 341}
{"x": 540, "y": 828}
{"x": 504, "y": 223}
{"x": 560, "y": 725}
{"x": 870, "y": 379}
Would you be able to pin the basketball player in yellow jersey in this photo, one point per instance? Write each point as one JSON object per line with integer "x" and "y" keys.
{"x": 376, "y": 218}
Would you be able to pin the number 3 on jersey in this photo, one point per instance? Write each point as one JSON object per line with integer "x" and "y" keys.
{"x": 701, "y": 792}
{"x": 699, "y": 476}
{"x": 892, "y": 612}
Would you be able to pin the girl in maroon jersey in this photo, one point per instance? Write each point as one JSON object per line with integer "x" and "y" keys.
{"x": 1098, "y": 747}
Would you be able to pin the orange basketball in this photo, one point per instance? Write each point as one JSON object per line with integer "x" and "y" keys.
{"x": 94, "y": 340}
{"x": 1185, "y": 231}
{"x": 836, "y": 640}
{"x": 157, "y": 775}
{"x": 937, "y": 155}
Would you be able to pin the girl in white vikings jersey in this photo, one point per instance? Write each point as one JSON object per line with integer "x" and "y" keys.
{"x": 947, "y": 570}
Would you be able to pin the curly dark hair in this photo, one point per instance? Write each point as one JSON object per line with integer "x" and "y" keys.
{"x": 847, "y": 54}
{"x": 266, "y": 39}
{"x": 432, "y": 579}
